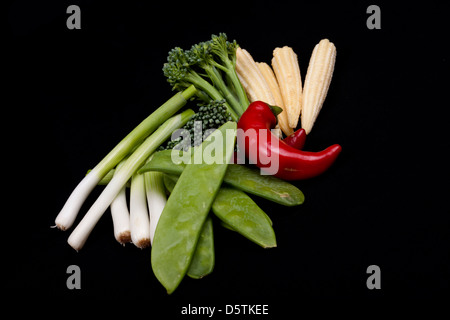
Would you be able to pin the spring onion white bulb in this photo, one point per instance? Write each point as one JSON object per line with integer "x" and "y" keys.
{"x": 132, "y": 164}
{"x": 69, "y": 212}
{"x": 139, "y": 217}
{"x": 120, "y": 215}
{"x": 156, "y": 198}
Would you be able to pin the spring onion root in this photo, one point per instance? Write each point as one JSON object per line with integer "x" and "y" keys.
{"x": 132, "y": 164}
{"x": 69, "y": 212}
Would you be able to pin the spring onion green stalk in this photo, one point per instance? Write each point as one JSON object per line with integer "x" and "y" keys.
{"x": 132, "y": 164}
{"x": 120, "y": 215}
{"x": 139, "y": 217}
{"x": 107, "y": 178}
{"x": 69, "y": 212}
{"x": 156, "y": 197}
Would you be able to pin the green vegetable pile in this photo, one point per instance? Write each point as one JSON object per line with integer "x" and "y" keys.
{"x": 179, "y": 227}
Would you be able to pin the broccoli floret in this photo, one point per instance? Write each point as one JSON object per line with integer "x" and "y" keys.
{"x": 210, "y": 67}
{"x": 209, "y": 116}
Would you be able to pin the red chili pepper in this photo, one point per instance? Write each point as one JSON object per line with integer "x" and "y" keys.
{"x": 296, "y": 139}
{"x": 255, "y": 124}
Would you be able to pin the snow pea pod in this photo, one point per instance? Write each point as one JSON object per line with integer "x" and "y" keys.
{"x": 238, "y": 212}
{"x": 268, "y": 187}
{"x": 204, "y": 257}
{"x": 243, "y": 215}
{"x": 187, "y": 208}
{"x": 239, "y": 176}
{"x": 203, "y": 260}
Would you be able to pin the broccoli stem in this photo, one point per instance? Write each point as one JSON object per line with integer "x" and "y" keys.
{"x": 210, "y": 90}
{"x": 239, "y": 89}
{"x": 230, "y": 71}
{"x": 227, "y": 55}
{"x": 218, "y": 82}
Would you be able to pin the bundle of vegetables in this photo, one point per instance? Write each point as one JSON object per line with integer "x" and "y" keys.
{"x": 179, "y": 228}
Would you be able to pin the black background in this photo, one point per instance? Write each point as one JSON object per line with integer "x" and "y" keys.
{"x": 75, "y": 93}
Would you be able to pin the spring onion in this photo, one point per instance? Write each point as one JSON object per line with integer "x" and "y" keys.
{"x": 120, "y": 214}
{"x": 139, "y": 217}
{"x": 156, "y": 197}
{"x": 80, "y": 234}
{"x": 69, "y": 212}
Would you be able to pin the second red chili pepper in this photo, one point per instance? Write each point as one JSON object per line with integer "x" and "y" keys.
{"x": 293, "y": 164}
{"x": 296, "y": 139}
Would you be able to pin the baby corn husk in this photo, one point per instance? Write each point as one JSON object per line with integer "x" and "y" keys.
{"x": 317, "y": 82}
{"x": 271, "y": 80}
{"x": 287, "y": 71}
{"x": 252, "y": 79}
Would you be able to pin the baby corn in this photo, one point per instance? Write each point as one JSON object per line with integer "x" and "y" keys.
{"x": 317, "y": 82}
{"x": 271, "y": 80}
{"x": 287, "y": 71}
{"x": 252, "y": 79}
